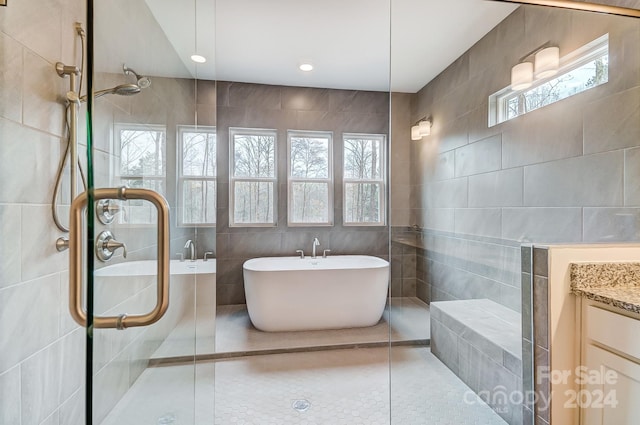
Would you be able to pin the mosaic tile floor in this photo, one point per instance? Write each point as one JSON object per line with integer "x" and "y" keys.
{"x": 406, "y": 319}
{"x": 342, "y": 386}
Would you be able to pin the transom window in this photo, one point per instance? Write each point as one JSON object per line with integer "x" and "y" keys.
{"x": 252, "y": 177}
{"x": 364, "y": 179}
{"x": 583, "y": 69}
{"x": 310, "y": 178}
{"x": 197, "y": 176}
{"x": 142, "y": 164}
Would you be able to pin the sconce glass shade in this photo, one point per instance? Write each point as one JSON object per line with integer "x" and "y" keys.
{"x": 424, "y": 128}
{"x": 415, "y": 133}
{"x": 521, "y": 76}
{"x": 547, "y": 62}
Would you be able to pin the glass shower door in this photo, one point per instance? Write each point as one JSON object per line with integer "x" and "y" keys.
{"x": 142, "y": 270}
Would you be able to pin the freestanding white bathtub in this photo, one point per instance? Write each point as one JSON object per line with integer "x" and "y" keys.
{"x": 293, "y": 294}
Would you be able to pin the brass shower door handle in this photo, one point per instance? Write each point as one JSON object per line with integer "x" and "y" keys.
{"x": 122, "y": 321}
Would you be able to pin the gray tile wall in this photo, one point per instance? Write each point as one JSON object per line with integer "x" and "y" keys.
{"x": 535, "y": 335}
{"x": 291, "y": 108}
{"x": 563, "y": 173}
{"x": 41, "y": 358}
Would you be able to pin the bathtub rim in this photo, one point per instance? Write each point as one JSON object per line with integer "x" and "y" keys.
{"x": 374, "y": 263}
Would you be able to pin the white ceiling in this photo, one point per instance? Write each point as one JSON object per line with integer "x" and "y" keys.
{"x": 348, "y": 41}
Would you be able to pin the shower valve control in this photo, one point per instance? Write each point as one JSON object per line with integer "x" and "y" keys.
{"x": 107, "y": 209}
{"x": 106, "y": 245}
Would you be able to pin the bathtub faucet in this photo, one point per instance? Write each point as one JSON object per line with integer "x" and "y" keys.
{"x": 192, "y": 249}
{"x": 316, "y": 243}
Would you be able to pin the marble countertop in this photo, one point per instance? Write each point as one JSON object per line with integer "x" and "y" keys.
{"x": 615, "y": 284}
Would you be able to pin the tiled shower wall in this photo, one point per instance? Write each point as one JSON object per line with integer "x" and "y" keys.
{"x": 565, "y": 173}
{"x": 41, "y": 353}
{"x": 291, "y": 108}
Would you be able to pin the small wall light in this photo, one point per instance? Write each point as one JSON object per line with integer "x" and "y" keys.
{"x": 198, "y": 58}
{"x": 415, "y": 133}
{"x": 421, "y": 129}
{"x": 547, "y": 64}
{"x": 522, "y": 76}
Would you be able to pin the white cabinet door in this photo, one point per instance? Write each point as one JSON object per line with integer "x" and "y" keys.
{"x": 613, "y": 395}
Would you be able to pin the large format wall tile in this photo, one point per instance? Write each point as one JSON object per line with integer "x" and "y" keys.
{"x": 543, "y": 225}
{"x": 611, "y": 224}
{"x": 31, "y": 308}
{"x": 10, "y": 245}
{"x": 479, "y": 157}
{"x": 39, "y": 255}
{"x": 542, "y": 135}
{"x": 10, "y": 408}
{"x": 42, "y": 95}
{"x": 612, "y": 122}
{"x": 590, "y": 181}
{"x": 31, "y": 155}
{"x": 36, "y": 25}
{"x": 632, "y": 177}
{"x": 479, "y": 221}
{"x": 497, "y": 189}
{"x": 11, "y": 74}
{"x": 51, "y": 376}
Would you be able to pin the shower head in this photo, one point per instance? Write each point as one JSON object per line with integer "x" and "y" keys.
{"x": 121, "y": 90}
{"x": 142, "y": 80}
{"x": 124, "y": 90}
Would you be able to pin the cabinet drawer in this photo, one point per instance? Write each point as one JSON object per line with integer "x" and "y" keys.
{"x": 614, "y": 330}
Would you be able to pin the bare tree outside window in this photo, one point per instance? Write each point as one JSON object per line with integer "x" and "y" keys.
{"x": 364, "y": 179}
{"x": 589, "y": 75}
{"x": 310, "y": 178}
{"x": 253, "y": 177}
{"x": 142, "y": 165}
{"x": 197, "y": 175}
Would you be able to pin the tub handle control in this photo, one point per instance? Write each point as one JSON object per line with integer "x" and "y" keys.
{"x": 106, "y": 245}
{"x": 324, "y": 253}
{"x": 206, "y": 255}
{"x": 77, "y": 215}
{"x": 301, "y": 252}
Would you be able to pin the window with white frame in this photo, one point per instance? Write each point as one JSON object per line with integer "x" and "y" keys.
{"x": 252, "y": 180}
{"x": 196, "y": 176}
{"x": 582, "y": 69}
{"x": 142, "y": 164}
{"x": 364, "y": 179}
{"x": 310, "y": 178}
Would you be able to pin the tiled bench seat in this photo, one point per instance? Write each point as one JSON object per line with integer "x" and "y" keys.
{"x": 481, "y": 342}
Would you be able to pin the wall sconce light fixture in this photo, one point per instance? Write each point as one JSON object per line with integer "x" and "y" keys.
{"x": 547, "y": 63}
{"x": 421, "y": 129}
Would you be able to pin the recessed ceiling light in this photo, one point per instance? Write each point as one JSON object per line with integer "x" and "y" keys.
{"x": 198, "y": 59}
{"x": 306, "y": 67}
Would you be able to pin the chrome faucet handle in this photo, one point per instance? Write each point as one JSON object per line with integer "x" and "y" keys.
{"x": 106, "y": 246}
{"x": 324, "y": 253}
{"x": 180, "y": 256}
{"x": 301, "y": 252}
{"x": 206, "y": 254}
{"x": 113, "y": 244}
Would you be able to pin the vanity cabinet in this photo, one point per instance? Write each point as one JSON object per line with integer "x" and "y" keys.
{"x": 609, "y": 375}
